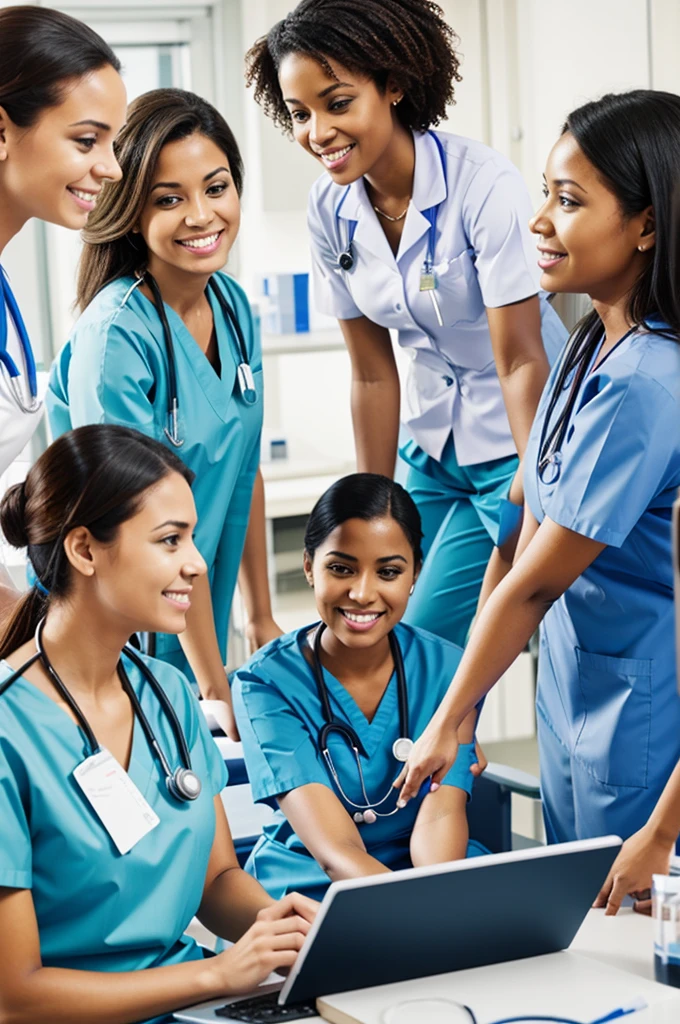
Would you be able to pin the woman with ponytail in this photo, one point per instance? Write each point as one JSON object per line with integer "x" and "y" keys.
{"x": 593, "y": 564}
{"x": 92, "y": 919}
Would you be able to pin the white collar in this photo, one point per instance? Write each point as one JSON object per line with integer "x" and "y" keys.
{"x": 429, "y": 189}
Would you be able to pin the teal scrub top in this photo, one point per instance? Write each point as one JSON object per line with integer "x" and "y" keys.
{"x": 98, "y": 910}
{"x": 279, "y": 717}
{"x": 607, "y": 686}
{"x": 114, "y": 369}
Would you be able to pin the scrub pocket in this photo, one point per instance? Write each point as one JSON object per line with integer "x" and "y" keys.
{"x": 613, "y": 744}
{"x": 459, "y": 295}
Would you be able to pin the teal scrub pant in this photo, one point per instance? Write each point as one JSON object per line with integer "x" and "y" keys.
{"x": 465, "y": 512}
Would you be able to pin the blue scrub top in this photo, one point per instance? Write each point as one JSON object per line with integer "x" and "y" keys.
{"x": 98, "y": 910}
{"x": 279, "y": 717}
{"x": 114, "y": 369}
{"x": 607, "y": 677}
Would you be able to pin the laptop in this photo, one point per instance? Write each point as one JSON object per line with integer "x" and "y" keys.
{"x": 425, "y": 921}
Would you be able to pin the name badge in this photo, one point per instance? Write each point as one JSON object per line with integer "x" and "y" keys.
{"x": 115, "y": 799}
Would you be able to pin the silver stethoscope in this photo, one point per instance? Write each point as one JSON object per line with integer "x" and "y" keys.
{"x": 183, "y": 783}
{"x": 244, "y": 373}
{"x": 366, "y": 812}
{"x": 10, "y": 369}
{"x": 428, "y": 276}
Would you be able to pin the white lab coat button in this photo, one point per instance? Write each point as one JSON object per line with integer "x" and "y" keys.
{"x": 465, "y": 389}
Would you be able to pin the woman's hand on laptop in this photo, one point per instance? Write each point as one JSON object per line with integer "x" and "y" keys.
{"x": 271, "y": 944}
{"x": 431, "y": 757}
{"x": 646, "y": 853}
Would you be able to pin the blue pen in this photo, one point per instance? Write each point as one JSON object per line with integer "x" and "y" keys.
{"x": 632, "y": 1007}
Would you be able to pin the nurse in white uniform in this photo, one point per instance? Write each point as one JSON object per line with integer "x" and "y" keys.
{"x": 55, "y": 153}
{"x": 424, "y": 233}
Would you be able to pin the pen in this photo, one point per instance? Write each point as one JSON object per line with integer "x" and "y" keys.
{"x": 622, "y": 1011}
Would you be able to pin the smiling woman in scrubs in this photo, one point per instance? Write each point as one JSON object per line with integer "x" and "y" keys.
{"x": 436, "y": 228}
{"x": 362, "y": 556}
{"x": 87, "y": 933}
{"x": 62, "y": 101}
{"x": 170, "y": 225}
{"x": 593, "y": 563}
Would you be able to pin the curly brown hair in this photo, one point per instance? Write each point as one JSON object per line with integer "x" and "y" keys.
{"x": 407, "y": 40}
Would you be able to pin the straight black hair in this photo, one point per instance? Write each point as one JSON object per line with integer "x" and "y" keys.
{"x": 364, "y": 496}
{"x": 41, "y": 51}
{"x": 94, "y": 476}
{"x": 632, "y": 139}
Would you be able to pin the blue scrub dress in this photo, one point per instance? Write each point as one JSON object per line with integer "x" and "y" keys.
{"x": 114, "y": 369}
{"x": 98, "y": 910}
{"x": 608, "y": 704}
{"x": 279, "y": 717}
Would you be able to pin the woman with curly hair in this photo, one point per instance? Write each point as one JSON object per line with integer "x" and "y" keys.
{"x": 424, "y": 233}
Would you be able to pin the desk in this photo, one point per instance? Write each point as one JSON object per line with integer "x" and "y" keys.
{"x": 608, "y": 963}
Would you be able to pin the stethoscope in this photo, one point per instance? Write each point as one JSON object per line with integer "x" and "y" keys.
{"x": 9, "y": 367}
{"x": 428, "y": 277}
{"x": 401, "y": 748}
{"x": 576, "y": 364}
{"x": 244, "y": 373}
{"x": 182, "y": 783}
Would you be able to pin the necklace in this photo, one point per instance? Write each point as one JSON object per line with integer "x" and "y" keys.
{"x": 387, "y": 216}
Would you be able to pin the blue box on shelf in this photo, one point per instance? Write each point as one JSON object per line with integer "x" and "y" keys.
{"x": 286, "y": 310}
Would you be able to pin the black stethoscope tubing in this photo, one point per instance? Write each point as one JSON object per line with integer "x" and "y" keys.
{"x": 173, "y": 393}
{"x": 578, "y": 359}
{"x": 182, "y": 783}
{"x": 333, "y": 724}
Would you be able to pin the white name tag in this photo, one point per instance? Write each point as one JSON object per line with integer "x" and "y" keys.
{"x": 121, "y": 808}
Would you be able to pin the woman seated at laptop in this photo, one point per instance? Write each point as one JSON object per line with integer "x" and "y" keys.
{"x": 112, "y": 830}
{"x": 328, "y": 712}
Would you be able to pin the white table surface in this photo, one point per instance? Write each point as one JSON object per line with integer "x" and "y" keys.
{"x": 610, "y": 962}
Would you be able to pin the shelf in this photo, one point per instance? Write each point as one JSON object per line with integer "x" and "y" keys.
{"x": 296, "y": 496}
{"x": 328, "y": 339}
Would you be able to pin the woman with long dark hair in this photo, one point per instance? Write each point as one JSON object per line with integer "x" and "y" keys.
{"x": 425, "y": 233}
{"x": 167, "y": 344}
{"x": 593, "y": 564}
{"x": 62, "y": 100}
{"x": 113, "y": 830}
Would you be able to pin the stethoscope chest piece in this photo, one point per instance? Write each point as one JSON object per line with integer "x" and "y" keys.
{"x": 184, "y": 784}
{"x": 346, "y": 259}
{"x": 401, "y": 748}
{"x": 550, "y": 468}
{"x": 246, "y": 383}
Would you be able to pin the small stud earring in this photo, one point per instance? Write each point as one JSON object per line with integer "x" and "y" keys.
{"x": 642, "y": 248}
{"x": 394, "y": 102}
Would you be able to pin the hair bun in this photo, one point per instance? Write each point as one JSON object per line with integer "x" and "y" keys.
{"x": 13, "y": 516}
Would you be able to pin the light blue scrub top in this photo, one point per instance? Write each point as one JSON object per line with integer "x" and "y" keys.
{"x": 98, "y": 910}
{"x": 279, "y": 717}
{"x": 607, "y": 690}
{"x": 114, "y": 369}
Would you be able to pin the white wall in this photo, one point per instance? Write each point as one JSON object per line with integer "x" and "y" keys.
{"x": 525, "y": 65}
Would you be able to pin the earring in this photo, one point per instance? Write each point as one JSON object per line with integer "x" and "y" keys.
{"x": 394, "y": 102}
{"x": 413, "y": 587}
{"x": 642, "y": 248}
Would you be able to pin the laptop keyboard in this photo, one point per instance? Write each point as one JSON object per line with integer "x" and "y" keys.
{"x": 266, "y": 1010}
